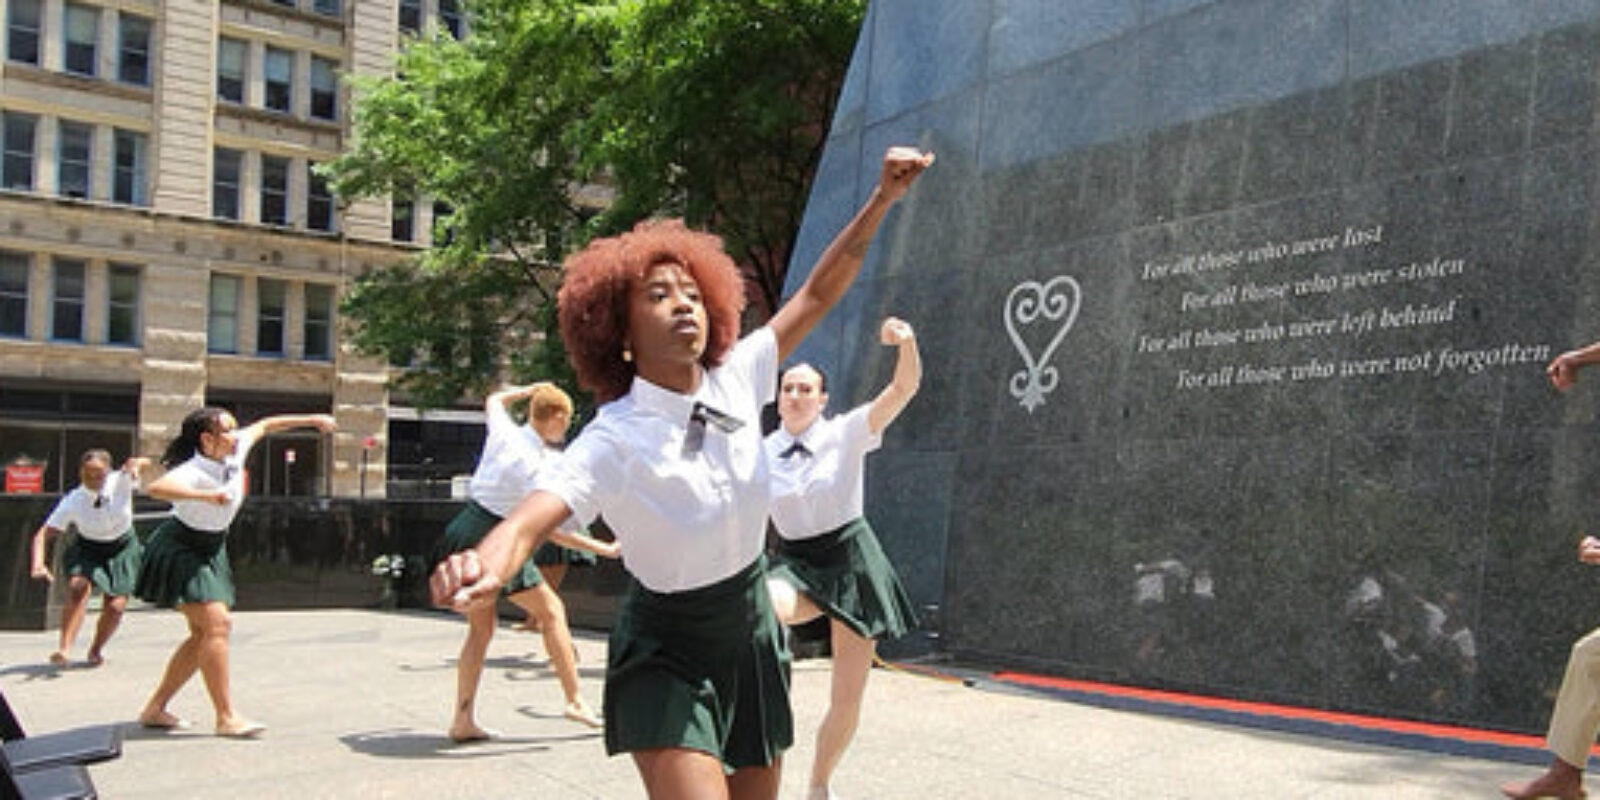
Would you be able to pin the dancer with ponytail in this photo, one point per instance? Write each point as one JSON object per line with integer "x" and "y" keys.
{"x": 512, "y": 455}
{"x": 186, "y": 559}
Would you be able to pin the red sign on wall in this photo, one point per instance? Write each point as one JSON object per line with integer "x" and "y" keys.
{"x": 24, "y": 478}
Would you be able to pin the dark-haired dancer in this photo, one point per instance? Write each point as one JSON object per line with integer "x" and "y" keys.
{"x": 105, "y": 553}
{"x": 829, "y": 560}
{"x": 696, "y": 686}
{"x": 186, "y": 558}
{"x": 512, "y": 455}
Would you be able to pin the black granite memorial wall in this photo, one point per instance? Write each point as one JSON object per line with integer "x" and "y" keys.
{"x": 1235, "y": 317}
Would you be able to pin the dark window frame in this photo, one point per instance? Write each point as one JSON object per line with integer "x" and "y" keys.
{"x": 133, "y": 58}
{"x": 225, "y": 194}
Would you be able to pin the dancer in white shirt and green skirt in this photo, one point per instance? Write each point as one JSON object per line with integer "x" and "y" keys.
{"x": 512, "y": 456}
{"x": 105, "y": 554}
{"x": 829, "y": 560}
{"x": 697, "y": 685}
{"x": 186, "y": 558}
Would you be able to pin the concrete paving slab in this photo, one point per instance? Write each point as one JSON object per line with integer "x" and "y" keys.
{"x": 358, "y": 701}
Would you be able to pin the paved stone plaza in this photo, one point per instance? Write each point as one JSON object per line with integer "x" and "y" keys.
{"x": 357, "y": 702}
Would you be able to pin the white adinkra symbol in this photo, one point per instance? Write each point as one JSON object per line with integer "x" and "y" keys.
{"x": 1054, "y": 301}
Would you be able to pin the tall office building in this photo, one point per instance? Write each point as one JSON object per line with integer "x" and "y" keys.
{"x": 165, "y": 241}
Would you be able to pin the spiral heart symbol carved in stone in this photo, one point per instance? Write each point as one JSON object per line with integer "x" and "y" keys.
{"x": 1055, "y": 301}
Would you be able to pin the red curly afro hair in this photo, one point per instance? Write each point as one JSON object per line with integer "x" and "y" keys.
{"x": 593, "y": 302}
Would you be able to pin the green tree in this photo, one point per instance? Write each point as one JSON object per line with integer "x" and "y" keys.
{"x": 710, "y": 110}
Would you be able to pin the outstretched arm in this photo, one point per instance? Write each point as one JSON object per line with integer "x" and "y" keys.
{"x": 282, "y": 422}
{"x": 134, "y": 468}
{"x": 1563, "y": 371}
{"x": 839, "y": 264}
{"x": 583, "y": 541}
{"x": 169, "y": 489}
{"x": 473, "y": 577}
{"x": 907, "y": 376}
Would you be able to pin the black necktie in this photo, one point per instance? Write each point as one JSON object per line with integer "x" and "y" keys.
{"x": 796, "y": 449}
{"x": 99, "y": 500}
{"x": 703, "y": 415}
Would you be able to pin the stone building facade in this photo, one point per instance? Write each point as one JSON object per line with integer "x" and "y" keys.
{"x": 164, "y": 241}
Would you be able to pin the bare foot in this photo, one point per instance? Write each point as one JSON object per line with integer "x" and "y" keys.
{"x": 469, "y": 733}
{"x": 240, "y": 728}
{"x": 162, "y": 720}
{"x": 579, "y": 711}
{"x": 96, "y": 659}
{"x": 58, "y": 658}
{"x": 1558, "y": 784}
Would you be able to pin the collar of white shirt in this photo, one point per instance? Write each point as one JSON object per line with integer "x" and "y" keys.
{"x": 807, "y": 438}
{"x": 217, "y": 470}
{"x": 666, "y": 403}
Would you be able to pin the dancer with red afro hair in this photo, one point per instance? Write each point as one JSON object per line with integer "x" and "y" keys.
{"x": 696, "y": 675}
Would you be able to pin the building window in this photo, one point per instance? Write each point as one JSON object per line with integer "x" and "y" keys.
{"x": 319, "y": 321}
{"x": 402, "y": 220}
{"x": 319, "y": 201}
{"x": 230, "y": 70}
{"x": 270, "y": 295}
{"x": 14, "y": 271}
{"x": 324, "y": 88}
{"x": 274, "y": 190}
{"x": 82, "y": 31}
{"x": 66, "y": 320}
{"x": 222, "y": 320}
{"x": 133, "y": 49}
{"x": 444, "y": 231}
{"x": 280, "y": 79}
{"x": 128, "y": 182}
{"x": 411, "y": 16}
{"x": 22, "y": 31}
{"x": 225, "y": 183}
{"x": 16, "y": 169}
{"x": 329, "y": 8}
{"x": 122, "y": 305}
{"x": 450, "y": 17}
{"x": 75, "y": 154}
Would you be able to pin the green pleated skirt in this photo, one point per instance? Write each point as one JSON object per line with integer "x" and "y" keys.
{"x": 185, "y": 565}
{"x": 847, "y": 575}
{"x": 550, "y": 554}
{"x": 467, "y": 529}
{"x": 111, "y": 567}
{"x": 704, "y": 670}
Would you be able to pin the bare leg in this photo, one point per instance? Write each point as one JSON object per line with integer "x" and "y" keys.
{"x": 553, "y": 574}
{"x": 852, "y": 663}
{"x": 111, "y": 608}
{"x": 180, "y": 668}
{"x": 756, "y": 783}
{"x": 790, "y": 606}
{"x": 1562, "y": 780}
{"x": 675, "y": 773}
{"x": 72, "y": 612}
{"x": 210, "y": 625}
{"x": 545, "y": 606}
{"x": 469, "y": 669}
